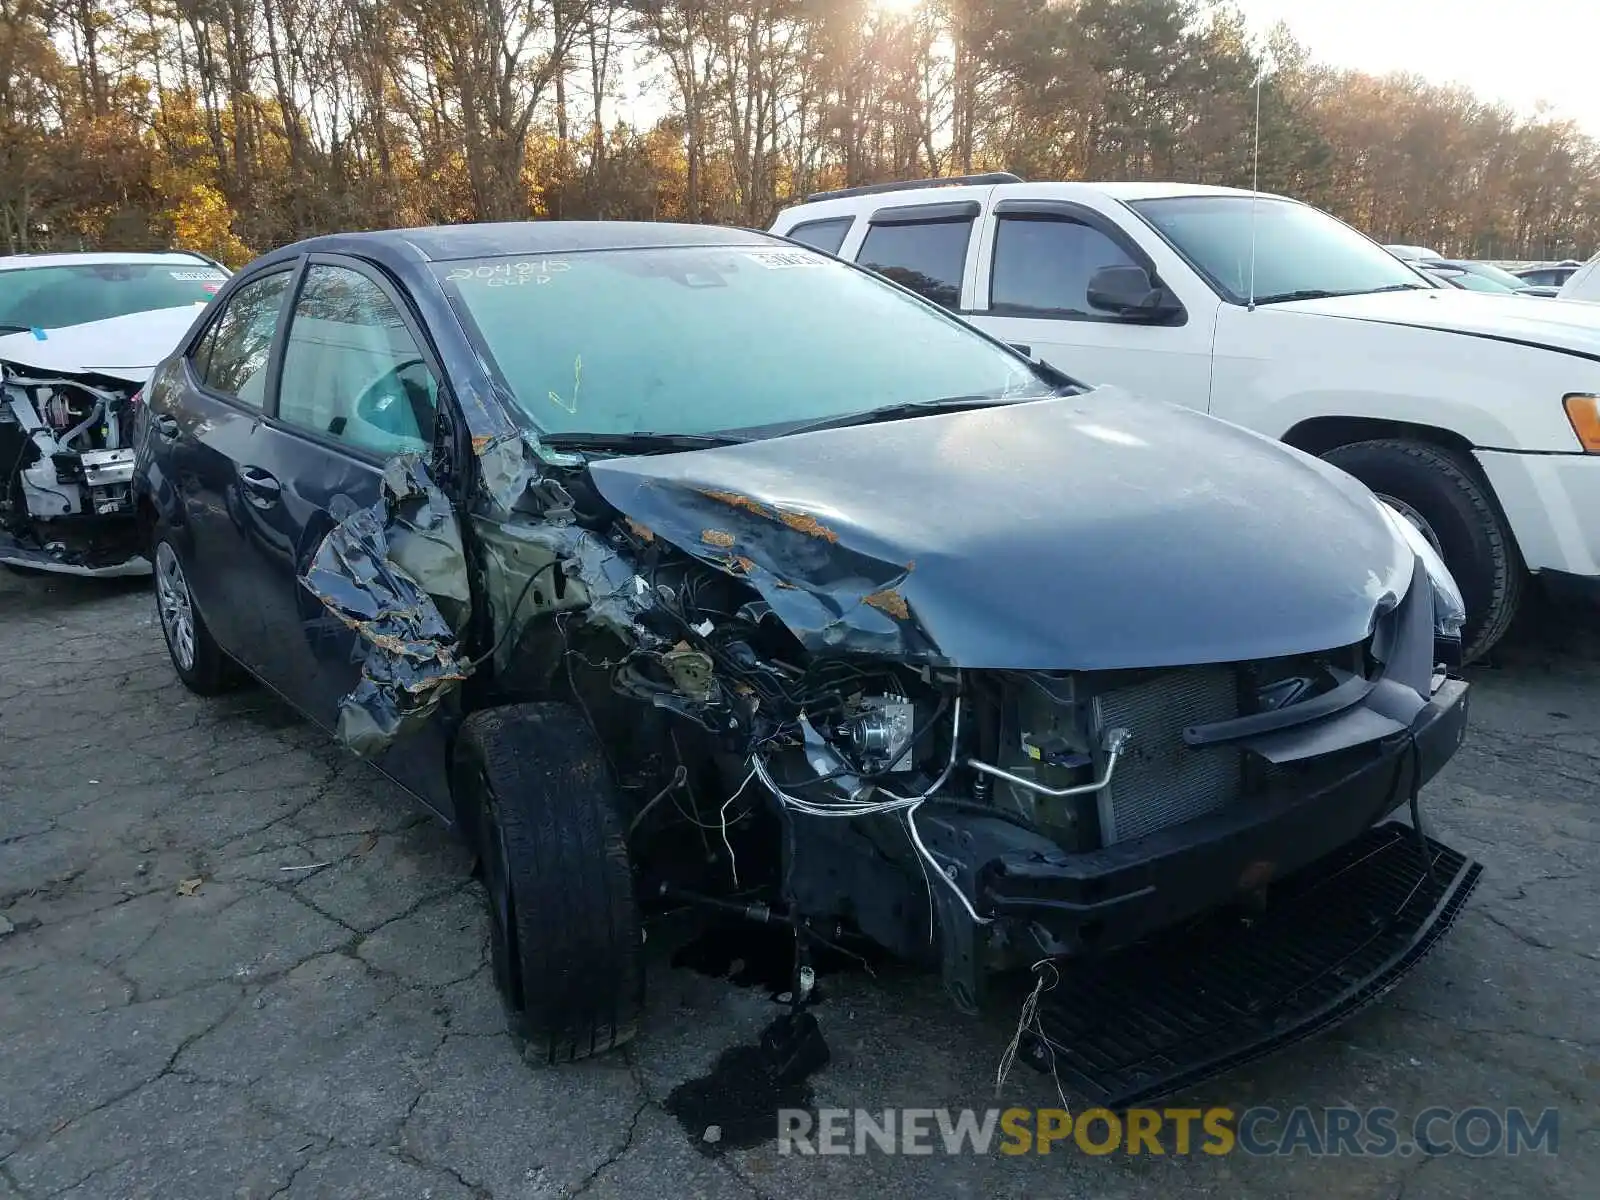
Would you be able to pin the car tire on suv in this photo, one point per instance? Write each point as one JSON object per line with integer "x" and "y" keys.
{"x": 202, "y": 665}
{"x": 1462, "y": 520}
{"x": 534, "y": 793}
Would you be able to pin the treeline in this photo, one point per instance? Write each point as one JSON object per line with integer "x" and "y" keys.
{"x": 235, "y": 125}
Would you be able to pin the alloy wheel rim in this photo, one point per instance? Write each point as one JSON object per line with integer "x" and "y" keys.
{"x": 175, "y": 607}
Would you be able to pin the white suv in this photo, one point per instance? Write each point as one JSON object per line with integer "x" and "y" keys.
{"x": 1584, "y": 283}
{"x": 1476, "y": 415}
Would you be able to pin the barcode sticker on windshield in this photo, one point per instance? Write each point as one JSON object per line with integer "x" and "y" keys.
{"x": 206, "y": 275}
{"x": 777, "y": 260}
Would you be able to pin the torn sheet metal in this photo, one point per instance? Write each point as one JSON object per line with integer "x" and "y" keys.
{"x": 831, "y": 596}
{"x": 522, "y": 564}
{"x": 380, "y": 572}
{"x": 503, "y": 471}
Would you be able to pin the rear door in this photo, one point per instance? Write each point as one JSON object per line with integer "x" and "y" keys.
{"x": 358, "y": 384}
{"x": 925, "y": 247}
{"x": 201, "y": 431}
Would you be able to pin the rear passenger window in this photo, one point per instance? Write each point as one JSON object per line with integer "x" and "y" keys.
{"x": 1042, "y": 267}
{"x": 927, "y": 257}
{"x": 826, "y": 236}
{"x": 231, "y": 358}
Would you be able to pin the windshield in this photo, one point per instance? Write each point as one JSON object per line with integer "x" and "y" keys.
{"x": 51, "y": 297}
{"x": 1475, "y": 281}
{"x": 1299, "y": 250}
{"x": 697, "y": 340}
{"x": 1497, "y": 275}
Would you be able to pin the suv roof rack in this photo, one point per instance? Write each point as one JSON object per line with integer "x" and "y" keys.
{"x": 906, "y": 185}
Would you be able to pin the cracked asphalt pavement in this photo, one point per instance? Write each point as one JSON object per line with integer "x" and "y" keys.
{"x": 315, "y": 1017}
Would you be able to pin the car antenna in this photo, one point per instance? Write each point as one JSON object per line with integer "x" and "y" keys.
{"x": 1255, "y": 181}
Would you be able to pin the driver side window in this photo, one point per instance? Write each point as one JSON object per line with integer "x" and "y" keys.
{"x": 351, "y": 369}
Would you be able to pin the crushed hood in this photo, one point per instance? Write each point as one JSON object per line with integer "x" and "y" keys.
{"x": 126, "y": 347}
{"x": 1560, "y": 325}
{"x": 1089, "y": 532}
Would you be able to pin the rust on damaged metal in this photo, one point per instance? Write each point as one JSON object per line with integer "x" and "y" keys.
{"x": 798, "y": 521}
{"x": 889, "y": 600}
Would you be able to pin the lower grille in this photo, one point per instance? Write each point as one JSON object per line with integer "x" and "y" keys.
{"x": 1160, "y": 781}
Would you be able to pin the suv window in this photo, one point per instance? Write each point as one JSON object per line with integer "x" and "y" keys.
{"x": 232, "y": 356}
{"x": 1042, "y": 267}
{"x": 927, "y": 257}
{"x": 826, "y": 235}
{"x": 351, "y": 369}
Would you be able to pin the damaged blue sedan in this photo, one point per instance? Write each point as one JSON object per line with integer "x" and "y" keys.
{"x": 685, "y": 567}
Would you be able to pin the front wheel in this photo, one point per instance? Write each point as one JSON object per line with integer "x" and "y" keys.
{"x": 1443, "y": 496}
{"x": 536, "y": 801}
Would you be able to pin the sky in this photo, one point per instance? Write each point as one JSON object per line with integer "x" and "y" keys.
{"x": 1521, "y": 52}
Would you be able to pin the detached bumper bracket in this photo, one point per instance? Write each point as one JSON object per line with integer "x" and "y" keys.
{"x": 1220, "y": 992}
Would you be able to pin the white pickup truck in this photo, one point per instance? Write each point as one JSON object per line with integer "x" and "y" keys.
{"x": 1476, "y": 415}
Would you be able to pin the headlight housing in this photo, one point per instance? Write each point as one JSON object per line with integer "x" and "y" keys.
{"x": 1449, "y": 609}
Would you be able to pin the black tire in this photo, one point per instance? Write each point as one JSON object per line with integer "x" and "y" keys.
{"x": 1447, "y": 492}
{"x": 205, "y": 669}
{"x": 537, "y": 803}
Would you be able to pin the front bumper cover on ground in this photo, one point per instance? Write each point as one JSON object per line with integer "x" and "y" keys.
{"x": 1209, "y": 996}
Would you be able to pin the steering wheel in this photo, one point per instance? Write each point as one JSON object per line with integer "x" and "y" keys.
{"x": 399, "y": 406}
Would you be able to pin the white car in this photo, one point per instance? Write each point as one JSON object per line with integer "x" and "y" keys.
{"x": 1475, "y": 415}
{"x": 1584, "y": 283}
{"x": 79, "y": 334}
{"x": 1412, "y": 253}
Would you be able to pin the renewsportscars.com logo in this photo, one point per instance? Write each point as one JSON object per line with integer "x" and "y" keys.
{"x": 1476, "y": 1132}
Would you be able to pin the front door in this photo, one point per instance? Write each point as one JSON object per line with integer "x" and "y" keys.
{"x": 1034, "y": 267}
{"x": 355, "y": 389}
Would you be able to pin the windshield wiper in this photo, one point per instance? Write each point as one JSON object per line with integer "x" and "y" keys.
{"x": 641, "y": 442}
{"x": 15, "y": 328}
{"x": 1329, "y": 293}
{"x": 1400, "y": 287}
{"x": 1300, "y": 294}
{"x": 910, "y": 408}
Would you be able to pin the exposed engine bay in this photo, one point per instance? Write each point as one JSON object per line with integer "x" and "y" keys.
{"x": 889, "y": 799}
{"x": 67, "y": 465}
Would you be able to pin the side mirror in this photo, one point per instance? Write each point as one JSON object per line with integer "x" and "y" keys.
{"x": 1130, "y": 292}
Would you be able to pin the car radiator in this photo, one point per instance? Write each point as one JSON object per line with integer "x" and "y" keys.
{"x": 1159, "y": 781}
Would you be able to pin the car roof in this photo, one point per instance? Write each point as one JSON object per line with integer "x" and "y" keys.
{"x": 24, "y": 262}
{"x": 1153, "y": 190}
{"x": 444, "y": 243}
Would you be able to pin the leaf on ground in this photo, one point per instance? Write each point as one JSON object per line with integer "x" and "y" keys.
{"x": 189, "y": 887}
{"x": 367, "y": 843}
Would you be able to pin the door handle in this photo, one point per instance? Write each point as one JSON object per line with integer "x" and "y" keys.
{"x": 260, "y": 487}
{"x": 168, "y": 427}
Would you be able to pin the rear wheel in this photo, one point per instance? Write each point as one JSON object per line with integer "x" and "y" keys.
{"x": 199, "y": 662}
{"x": 1443, "y": 496}
{"x": 537, "y": 804}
